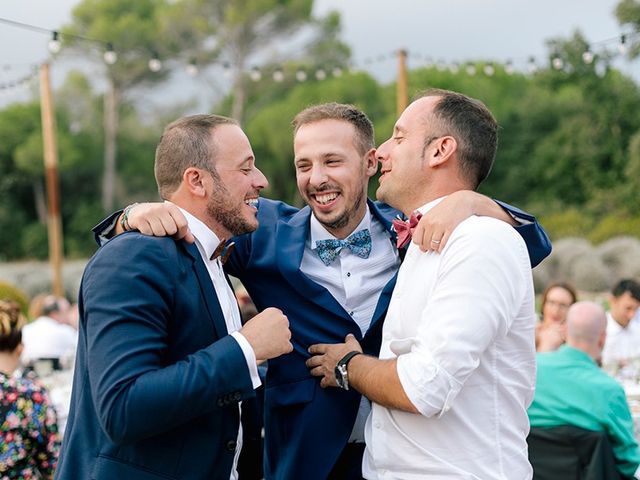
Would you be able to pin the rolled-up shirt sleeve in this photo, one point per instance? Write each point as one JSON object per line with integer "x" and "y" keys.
{"x": 477, "y": 293}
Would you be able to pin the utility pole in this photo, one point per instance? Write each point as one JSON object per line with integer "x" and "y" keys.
{"x": 54, "y": 223}
{"x": 402, "y": 95}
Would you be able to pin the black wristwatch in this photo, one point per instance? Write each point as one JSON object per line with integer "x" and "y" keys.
{"x": 342, "y": 378}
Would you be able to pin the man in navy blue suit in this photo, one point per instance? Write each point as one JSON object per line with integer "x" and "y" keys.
{"x": 326, "y": 293}
{"x": 163, "y": 361}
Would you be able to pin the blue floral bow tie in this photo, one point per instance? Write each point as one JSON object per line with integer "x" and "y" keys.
{"x": 359, "y": 243}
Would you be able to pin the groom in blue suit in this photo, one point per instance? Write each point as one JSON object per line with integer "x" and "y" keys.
{"x": 163, "y": 361}
{"x": 327, "y": 290}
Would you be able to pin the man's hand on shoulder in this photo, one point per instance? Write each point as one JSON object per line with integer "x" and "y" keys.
{"x": 157, "y": 219}
{"x": 435, "y": 227}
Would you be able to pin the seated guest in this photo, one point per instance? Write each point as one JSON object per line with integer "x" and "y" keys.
{"x": 623, "y": 334}
{"x": 556, "y": 300}
{"x": 29, "y": 442}
{"x": 50, "y": 336}
{"x": 572, "y": 390}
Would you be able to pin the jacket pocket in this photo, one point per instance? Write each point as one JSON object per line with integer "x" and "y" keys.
{"x": 108, "y": 468}
{"x": 292, "y": 393}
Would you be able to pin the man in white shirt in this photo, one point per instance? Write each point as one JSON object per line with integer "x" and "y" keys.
{"x": 456, "y": 371}
{"x": 50, "y": 337}
{"x": 623, "y": 330}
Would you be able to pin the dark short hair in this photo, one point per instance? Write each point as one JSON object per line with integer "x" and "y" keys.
{"x": 187, "y": 142}
{"x": 364, "y": 140}
{"x": 565, "y": 286}
{"x": 11, "y": 323}
{"x": 627, "y": 285}
{"x": 473, "y": 126}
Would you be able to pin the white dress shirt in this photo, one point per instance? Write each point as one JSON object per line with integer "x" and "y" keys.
{"x": 462, "y": 327}
{"x": 207, "y": 242}
{"x": 48, "y": 338}
{"x": 622, "y": 343}
{"x": 355, "y": 282}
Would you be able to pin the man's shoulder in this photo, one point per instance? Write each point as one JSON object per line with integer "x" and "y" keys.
{"x": 134, "y": 249}
{"x": 489, "y": 235}
{"x": 275, "y": 209}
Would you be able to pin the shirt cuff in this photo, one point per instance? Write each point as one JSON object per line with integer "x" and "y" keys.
{"x": 428, "y": 386}
{"x": 250, "y": 357}
{"x": 107, "y": 233}
{"x": 637, "y": 474}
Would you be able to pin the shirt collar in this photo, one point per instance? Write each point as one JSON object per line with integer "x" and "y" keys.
{"x": 206, "y": 239}
{"x": 428, "y": 206}
{"x": 317, "y": 231}
{"x": 575, "y": 354}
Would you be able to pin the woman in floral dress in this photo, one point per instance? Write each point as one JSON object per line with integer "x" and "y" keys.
{"x": 29, "y": 441}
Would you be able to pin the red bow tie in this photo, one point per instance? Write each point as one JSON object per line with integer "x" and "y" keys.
{"x": 405, "y": 229}
{"x": 223, "y": 250}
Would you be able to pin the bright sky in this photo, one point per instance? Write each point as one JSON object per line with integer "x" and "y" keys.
{"x": 451, "y": 30}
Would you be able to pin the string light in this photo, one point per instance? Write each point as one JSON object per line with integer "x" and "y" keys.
{"x": 587, "y": 56}
{"x": 155, "y": 65}
{"x": 278, "y": 75}
{"x": 557, "y": 63}
{"x": 255, "y": 74}
{"x": 110, "y": 56}
{"x": 622, "y": 46}
{"x": 192, "y": 68}
{"x": 54, "y": 43}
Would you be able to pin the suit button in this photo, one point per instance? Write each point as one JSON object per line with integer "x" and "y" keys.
{"x": 237, "y": 396}
{"x": 221, "y": 402}
{"x": 231, "y": 445}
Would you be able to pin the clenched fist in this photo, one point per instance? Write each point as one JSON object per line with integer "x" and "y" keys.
{"x": 269, "y": 334}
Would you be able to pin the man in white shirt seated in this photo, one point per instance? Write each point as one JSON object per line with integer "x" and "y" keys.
{"x": 50, "y": 337}
{"x": 623, "y": 331}
{"x": 456, "y": 371}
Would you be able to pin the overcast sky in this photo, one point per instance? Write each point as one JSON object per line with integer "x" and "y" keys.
{"x": 451, "y": 30}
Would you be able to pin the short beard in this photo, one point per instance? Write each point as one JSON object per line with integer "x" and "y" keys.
{"x": 224, "y": 213}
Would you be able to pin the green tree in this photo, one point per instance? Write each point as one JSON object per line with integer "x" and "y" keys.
{"x": 137, "y": 31}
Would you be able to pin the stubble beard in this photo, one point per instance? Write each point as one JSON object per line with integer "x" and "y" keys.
{"x": 229, "y": 216}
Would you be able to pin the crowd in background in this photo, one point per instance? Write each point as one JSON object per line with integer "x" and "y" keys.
{"x": 33, "y": 354}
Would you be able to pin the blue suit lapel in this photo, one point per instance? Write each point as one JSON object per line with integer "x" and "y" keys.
{"x": 291, "y": 238}
{"x": 384, "y": 214}
{"x": 208, "y": 292}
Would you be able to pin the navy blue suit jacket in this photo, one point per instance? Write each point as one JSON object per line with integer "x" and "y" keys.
{"x": 307, "y": 427}
{"x": 157, "y": 377}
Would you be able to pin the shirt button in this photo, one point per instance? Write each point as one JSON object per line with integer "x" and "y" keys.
{"x": 348, "y": 274}
{"x": 351, "y": 313}
{"x": 377, "y": 424}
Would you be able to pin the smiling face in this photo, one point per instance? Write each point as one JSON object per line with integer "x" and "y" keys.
{"x": 235, "y": 183}
{"x": 556, "y": 304}
{"x": 332, "y": 174}
{"x": 402, "y": 158}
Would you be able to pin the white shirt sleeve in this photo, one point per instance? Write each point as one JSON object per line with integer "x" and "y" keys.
{"x": 478, "y": 292}
{"x": 250, "y": 357}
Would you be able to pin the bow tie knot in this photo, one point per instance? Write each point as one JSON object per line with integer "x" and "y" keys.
{"x": 359, "y": 243}
{"x": 223, "y": 250}
{"x": 405, "y": 229}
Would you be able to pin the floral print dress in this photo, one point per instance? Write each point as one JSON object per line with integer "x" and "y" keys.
{"x": 29, "y": 441}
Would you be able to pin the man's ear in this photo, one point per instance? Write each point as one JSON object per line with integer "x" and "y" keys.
{"x": 442, "y": 150}
{"x": 195, "y": 180}
{"x": 371, "y": 162}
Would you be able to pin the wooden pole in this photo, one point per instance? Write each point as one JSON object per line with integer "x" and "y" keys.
{"x": 54, "y": 224}
{"x": 402, "y": 95}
